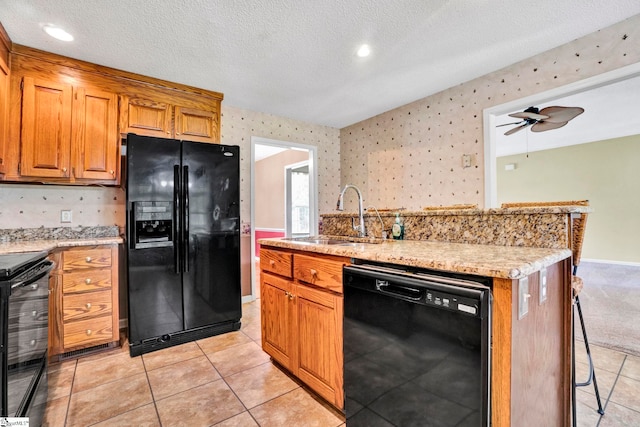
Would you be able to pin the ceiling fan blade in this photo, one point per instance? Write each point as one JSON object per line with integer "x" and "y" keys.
{"x": 516, "y": 129}
{"x": 507, "y": 124}
{"x": 528, "y": 115}
{"x": 561, "y": 114}
{"x": 546, "y": 125}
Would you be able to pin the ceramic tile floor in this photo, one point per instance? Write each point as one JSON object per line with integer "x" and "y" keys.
{"x": 228, "y": 381}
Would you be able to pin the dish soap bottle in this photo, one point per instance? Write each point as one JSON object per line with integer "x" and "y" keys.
{"x": 397, "y": 229}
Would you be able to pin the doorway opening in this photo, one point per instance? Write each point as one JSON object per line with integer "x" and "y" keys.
{"x": 283, "y": 194}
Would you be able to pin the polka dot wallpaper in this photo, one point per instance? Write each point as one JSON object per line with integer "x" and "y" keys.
{"x": 409, "y": 157}
{"x": 237, "y": 128}
{"x": 412, "y": 156}
{"x": 33, "y": 206}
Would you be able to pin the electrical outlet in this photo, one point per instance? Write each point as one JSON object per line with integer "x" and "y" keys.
{"x": 523, "y": 297}
{"x": 543, "y": 285}
{"x": 65, "y": 216}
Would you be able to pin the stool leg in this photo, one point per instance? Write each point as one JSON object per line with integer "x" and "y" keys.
{"x": 592, "y": 374}
{"x": 573, "y": 369}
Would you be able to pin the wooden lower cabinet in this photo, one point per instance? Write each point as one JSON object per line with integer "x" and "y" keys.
{"x": 302, "y": 322}
{"x": 83, "y": 303}
{"x": 278, "y": 315}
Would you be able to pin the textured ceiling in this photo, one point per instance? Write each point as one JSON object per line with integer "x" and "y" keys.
{"x": 297, "y": 58}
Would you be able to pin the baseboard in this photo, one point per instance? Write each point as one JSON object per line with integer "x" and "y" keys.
{"x": 606, "y": 261}
{"x": 248, "y": 298}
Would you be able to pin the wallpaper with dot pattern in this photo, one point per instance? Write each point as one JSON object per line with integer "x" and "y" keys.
{"x": 239, "y": 125}
{"x": 408, "y": 157}
{"x": 33, "y": 206}
{"x": 411, "y": 157}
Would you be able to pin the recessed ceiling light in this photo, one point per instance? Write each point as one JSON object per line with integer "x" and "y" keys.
{"x": 57, "y": 33}
{"x": 364, "y": 50}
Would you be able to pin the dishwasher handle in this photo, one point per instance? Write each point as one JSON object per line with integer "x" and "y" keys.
{"x": 407, "y": 292}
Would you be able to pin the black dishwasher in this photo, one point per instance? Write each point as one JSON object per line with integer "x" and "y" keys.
{"x": 416, "y": 347}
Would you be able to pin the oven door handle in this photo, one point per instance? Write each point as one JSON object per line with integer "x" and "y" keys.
{"x": 45, "y": 267}
{"x": 398, "y": 290}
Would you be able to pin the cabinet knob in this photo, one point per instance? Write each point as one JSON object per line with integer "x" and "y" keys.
{"x": 112, "y": 172}
{"x": 34, "y": 286}
{"x": 314, "y": 273}
{"x": 89, "y": 332}
{"x": 64, "y": 170}
{"x": 32, "y": 343}
{"x": 168, "y": 132}
{"x": 88, "y": 259}
{"x": 87, "y": 281}
{"x": 272, "y": 263}
{"x": 88, "y": 305}
{"x": 34, "y": 314}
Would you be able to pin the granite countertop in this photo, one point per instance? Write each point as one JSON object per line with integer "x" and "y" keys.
{"x": 509, "y": 262}
{"x": 46, "y": 239}
{"x": 50, "y": 244}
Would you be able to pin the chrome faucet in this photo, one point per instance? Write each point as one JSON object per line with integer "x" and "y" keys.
{"x": 340, "y": 206}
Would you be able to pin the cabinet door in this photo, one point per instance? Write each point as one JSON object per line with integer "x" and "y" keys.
{"x": 4, "y": 111}
{"x": 196, "y": 125}
{"x": 319, "y": 342}
{"x": 95, "y": 135}
{"x": 145, "y": 117}
{"x": 46, "y": 128}
{"x": 278, "y": 315}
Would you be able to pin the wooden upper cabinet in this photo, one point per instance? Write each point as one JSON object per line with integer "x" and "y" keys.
{"x": 196, "y": 125}
{"x": 167, "y": 120}
{"x": 68, "y": 132}
{"x": 5, "y": 75}
{"x": 95, "y": 136}
{"x": 46, "y": 128}
{"x": 62, "y": 120}
{"x": 145, "y": 117}
{"x": 5, "y": 80}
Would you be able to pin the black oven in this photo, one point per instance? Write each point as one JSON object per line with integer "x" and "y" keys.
{"x": 24, "y": 308}
{"x": 416, "y": 347}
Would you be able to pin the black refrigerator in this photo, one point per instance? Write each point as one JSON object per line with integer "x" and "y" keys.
{"x": 183, "y": 241}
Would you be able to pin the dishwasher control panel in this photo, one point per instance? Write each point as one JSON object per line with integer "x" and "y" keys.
{"x": 451, "y": 302}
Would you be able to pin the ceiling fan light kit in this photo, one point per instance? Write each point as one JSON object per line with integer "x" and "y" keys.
{"x": 542, "y": 120}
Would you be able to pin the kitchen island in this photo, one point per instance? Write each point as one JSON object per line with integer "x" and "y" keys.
{"x": 530, "y": 378}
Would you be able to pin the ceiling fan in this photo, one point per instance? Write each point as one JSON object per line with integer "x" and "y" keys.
{"x": 546, "y": 119}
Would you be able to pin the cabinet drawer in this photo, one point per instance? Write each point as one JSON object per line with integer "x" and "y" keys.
{"x": 321, "y": 272}
{"x": 88, "y": 280}
{"x": 91, "y": 331}
{"x": 277, "y": 262}
{"x": 86, "y": 258}
{"x": 78, "y": 306}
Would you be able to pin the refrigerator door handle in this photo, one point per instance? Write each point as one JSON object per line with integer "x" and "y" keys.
{"x": 185, "y": 216}
{"x": 176, "y": 223}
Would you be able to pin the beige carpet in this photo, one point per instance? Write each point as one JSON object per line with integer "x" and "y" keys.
{"x": 610, "y": 304}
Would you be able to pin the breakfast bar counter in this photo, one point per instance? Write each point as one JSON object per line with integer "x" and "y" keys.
{"x": 508, "y": 262}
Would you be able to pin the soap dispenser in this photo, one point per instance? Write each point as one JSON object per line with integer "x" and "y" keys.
{"x": 397, "y": 229}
